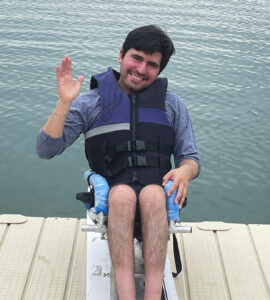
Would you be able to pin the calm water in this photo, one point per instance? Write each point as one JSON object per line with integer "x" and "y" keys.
{"x": 221, "y": 69}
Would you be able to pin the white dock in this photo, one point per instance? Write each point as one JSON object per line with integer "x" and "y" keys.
{"x": 45, "y": 258}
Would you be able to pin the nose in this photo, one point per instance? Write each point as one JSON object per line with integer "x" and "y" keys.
{"x": 141, "y": 67}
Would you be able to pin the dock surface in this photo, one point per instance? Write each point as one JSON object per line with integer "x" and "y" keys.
{"x": 45, "y": 258}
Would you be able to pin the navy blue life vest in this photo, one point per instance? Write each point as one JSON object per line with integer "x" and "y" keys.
{"x": 132, "y": 139}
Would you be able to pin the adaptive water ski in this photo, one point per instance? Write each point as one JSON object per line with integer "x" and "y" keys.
{"x": 100, "y": 280}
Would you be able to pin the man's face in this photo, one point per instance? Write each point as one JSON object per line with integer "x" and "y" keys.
{"x": 138, "y": 70}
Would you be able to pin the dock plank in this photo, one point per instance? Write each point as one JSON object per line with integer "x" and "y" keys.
{"x": 261, "y": 238}
{"x": 204, "y": 268}
{"x": 76, "y": 288}
{"x": 16, "y": 257}
{"x": 46, "y": 259}
{"x": 3, "y": 228}
{"x": 242, "y": 270}
{"x": 51, "y": 265}
{"x": 181, "y": 281}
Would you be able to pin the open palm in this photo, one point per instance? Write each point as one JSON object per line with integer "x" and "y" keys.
{"x": 68, "y": 90}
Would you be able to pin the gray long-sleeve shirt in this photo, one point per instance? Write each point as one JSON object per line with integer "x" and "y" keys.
{"x": 86, "y": 108}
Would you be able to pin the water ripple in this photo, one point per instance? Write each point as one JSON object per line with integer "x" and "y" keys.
{"x": 221, "y": 69}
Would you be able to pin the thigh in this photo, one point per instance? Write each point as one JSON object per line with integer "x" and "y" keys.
{"x": 122, "y": 202}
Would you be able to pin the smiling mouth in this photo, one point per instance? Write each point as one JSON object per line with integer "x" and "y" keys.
{"x": 137, "y": 77}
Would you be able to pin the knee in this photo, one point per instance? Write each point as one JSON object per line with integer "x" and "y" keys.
{"x": 152, "y": 197}
{"x": 122, "y": 196}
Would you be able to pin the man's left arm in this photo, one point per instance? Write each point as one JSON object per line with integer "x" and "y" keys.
{"x": 181, "y": 177}
{"x": 186, "y": 154}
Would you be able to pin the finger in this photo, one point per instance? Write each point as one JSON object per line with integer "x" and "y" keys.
{"x": 182, "y": 201}
{"x": 64, "y": 66}
{"x": 164, "y": 181}
{"x": 178, "y": 196}
{"x": 57, "y": 71}
{"x": 79, "y": 82}
{"x": 80, "y": 79}
{"x": 173, "y": 187}
{"x": 183, "y": 197}
{"x": 61, "y": 69}
{"x": 166, "y": 178}
{"x": 69, "y": 65}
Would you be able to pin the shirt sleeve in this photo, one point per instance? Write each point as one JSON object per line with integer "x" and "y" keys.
{"x": 185, "y": 144}
{"x": 83, "y": 112}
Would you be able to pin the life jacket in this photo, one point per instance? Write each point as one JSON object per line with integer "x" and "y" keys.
{"x": 132, "y": 139}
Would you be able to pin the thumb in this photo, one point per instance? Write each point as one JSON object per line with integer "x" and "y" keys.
{"x": 165, "y": 178}
{"x": 79, "y": 82}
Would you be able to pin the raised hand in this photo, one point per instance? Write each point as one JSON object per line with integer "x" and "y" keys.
{"x": 68, "y": 90}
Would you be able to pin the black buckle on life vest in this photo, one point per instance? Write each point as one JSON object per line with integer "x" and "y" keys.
{"x": 137, "y": 145}
{"x": 140, "y": 145}
{"x": 137, "y": 161}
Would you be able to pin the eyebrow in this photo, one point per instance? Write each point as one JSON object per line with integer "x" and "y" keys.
{"x": 136, "y": 56}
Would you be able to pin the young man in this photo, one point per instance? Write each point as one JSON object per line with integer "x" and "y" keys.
{"x": 132, "y": 125}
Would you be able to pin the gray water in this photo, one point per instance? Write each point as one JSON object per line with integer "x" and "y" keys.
{"x": 221, "y": 69}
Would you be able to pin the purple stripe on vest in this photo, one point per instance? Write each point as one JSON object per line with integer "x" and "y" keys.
{"x": 115, "y": 104}
{"x": 153, "y": 115}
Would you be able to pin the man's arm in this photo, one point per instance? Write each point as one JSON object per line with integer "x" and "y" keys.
{"x": 68, "y": 90}
{"x": 186, "y": 155}
{"x": 181, "y": 177}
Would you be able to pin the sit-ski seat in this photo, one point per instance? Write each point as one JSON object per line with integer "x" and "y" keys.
{"x": 98, "y": 259}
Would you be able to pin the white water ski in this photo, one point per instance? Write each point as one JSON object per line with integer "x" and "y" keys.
{"x": 100, "y": 282}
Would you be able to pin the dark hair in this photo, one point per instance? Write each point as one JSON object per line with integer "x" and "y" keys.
{"x": 150, "y": 39}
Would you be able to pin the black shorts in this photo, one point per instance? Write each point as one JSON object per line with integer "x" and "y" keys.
{"x": 137, "y": 187}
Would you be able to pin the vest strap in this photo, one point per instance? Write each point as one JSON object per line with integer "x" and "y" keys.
{"x": 177, "y": 258}
{"x": 142, "y": 145}
{"x": 134, "y": 161}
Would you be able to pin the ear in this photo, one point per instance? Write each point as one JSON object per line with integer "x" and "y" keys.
{"x": 120, "y": 56}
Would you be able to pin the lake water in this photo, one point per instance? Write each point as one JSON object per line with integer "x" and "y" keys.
{"x": 221, "y": 69}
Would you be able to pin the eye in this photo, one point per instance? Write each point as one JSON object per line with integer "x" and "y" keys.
{"x": 153, "y": 65}
{"x": 137, "y": 57}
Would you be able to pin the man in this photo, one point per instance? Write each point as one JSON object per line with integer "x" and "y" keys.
{"x": 132, "y": 125}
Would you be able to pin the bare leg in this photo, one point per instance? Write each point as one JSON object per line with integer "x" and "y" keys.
{"x": 152, "y": 201}
{"x": 122, "y": 208}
